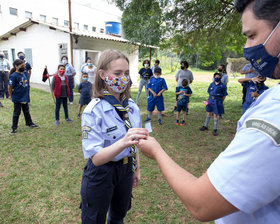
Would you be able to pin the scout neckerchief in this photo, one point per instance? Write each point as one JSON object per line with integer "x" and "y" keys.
{"x": 122, "y": 110}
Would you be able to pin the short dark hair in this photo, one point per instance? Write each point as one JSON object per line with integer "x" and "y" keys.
{"x": 20, "y": 53}
{"x": 185, "y": 82}
{"x": 185, "y": 63}
{"x": 223, "y": 68}
{"x": 60, "y": 65}
{"x": 148, "y": 62}
{"x": 217, "y": 73}
{"x": 263, "y": 9}
{"x": 64, "y": 57}
{"x": 157, "y": 70}
{"x": 157, "y": 61}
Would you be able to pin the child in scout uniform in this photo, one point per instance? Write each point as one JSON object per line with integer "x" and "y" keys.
{"x": 183, "y": 92}
{"x": 61, "y": 92}
{"x": 111, "y": 127}
{"x": 145, "y": 75}
{"x": 156, "y": 87}
{"x": 217, "y": 94}
{"x": 254, "y": 87}
{"x": 18, "y": 93}
{"x": 85, "y": 89}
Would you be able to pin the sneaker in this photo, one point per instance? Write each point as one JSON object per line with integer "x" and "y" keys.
{"x": 147, "y": 119}
{"x": 79, "y": 116}
{"x": 221, "y": 116}
{"x": 71, "y": 103}
{"x": 69, "y": 120}
{"x": 57, "y": 122}
{"x": 159, "y": 122}
{"x": 203, "y": 128}
{"x": 188, "y": 112}
{"x": 33, "y": 126}
{"x": 175, "y": 109}
{"x": 215, "y": 132}
{"x": 177, "y": 122}
{"x": 1, "y": 105}
{"x": 183, "y": 123}
{"x": 13, "y": 131}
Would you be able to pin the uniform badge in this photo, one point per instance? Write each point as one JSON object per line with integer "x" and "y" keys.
{"x": 85, "y": 131}
{"x": 111, "y": 129}
{"x": 266, "y": 128}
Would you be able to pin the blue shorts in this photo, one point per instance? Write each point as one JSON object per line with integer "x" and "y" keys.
{"x": 216, "y": 106}
{"x": 182, "y": 108}
{"x": 155, "y": 101}
{"x": 84, "y": 100}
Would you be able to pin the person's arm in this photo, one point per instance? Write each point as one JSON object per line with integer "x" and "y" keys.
{"x": 154, "y": 94}
{"x": 197, "y": 194}
{"x": 160, "y": 92}
{"x": 244, "y": 80}
{"x": 223, "y": 99}
{"x": 10, "y": 90}
{"x": 73, "y": 71}
{"x": 136, "y": 175}
{"x": 108, "y": 153}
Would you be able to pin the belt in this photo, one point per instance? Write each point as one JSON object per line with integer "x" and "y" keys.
{"x": 123, "y": 161}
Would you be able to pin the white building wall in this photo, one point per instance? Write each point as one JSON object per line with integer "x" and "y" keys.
{"x": 131, "y": 51}
{"x": 44, "y": 43}
{"x": 93, "y": 13}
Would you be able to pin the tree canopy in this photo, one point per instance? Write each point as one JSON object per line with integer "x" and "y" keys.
{"x": 206, "y": 29}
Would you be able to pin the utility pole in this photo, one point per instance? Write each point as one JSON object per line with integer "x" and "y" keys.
{"x": 70, "y": 29}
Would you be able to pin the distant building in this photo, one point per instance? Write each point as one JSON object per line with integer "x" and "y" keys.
{"x": 41, "y": 30}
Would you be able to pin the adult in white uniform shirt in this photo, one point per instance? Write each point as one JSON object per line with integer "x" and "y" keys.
{"x": 242, "y": 186}
{"x": 90, "y": 69}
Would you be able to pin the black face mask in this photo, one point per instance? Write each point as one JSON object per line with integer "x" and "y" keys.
{"x": 182, "y": 67}
{"x": 220, "y": 70}
{"x": 21, "y": 69}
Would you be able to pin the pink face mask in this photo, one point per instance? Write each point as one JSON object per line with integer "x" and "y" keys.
{"x": 117, "y": 84}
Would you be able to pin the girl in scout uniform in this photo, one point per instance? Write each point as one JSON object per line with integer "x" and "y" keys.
{"x": 214, "y": 105}
{"x": 110, "y": 130}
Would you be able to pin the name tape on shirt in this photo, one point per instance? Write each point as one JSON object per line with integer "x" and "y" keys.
{"x": 111, "y": 129}
{"x": 265, "y": 127}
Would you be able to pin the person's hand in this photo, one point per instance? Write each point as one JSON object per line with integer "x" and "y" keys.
{"x": 10, "y": 97}
{"x": 254, "y": 94}
{"x": 154, "y": 94}
{"x": 136, "y": 178}
{"x": 149, "y": 147}
{"x": 255, "y": 80}
{"x": 159, "y": 94}
{"x": 133, "y": 136}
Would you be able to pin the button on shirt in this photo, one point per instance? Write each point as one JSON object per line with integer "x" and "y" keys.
{"x": 102, "y": 126}
{"x": 4, "y": 65}
{"x": 19, "y": 83}
{"x": 69, "y": 70}
{"x": 247, "y": 173}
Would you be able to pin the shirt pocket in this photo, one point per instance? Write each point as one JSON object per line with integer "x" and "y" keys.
{"x": 111, "y": 137}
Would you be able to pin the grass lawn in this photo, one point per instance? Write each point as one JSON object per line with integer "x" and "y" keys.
{"x": 41, "y": 169}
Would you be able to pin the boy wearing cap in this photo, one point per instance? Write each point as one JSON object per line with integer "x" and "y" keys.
{"x": 156, "y": 87}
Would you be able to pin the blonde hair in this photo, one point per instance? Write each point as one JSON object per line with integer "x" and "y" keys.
{"x": 104, "y": 61}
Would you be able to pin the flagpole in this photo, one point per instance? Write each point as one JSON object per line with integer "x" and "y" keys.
{"x": 50, "y": 85}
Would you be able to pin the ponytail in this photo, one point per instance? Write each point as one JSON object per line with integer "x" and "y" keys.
{"x": 12, "y": 71}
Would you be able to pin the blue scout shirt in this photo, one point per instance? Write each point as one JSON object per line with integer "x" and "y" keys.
{"x": 157, "y": 84}
{"x": 216, "y": 92}
{"x": 69, "y": 70}
{"x": 252, "y": 87}
{"x": 102, "y": 126}
{"x": 182, "y": 99}
{"x": 146, "y": 73}
{"x": 19, "y": 82}
{"x": 247, "y": 173}
{"x": 85, "y": 89}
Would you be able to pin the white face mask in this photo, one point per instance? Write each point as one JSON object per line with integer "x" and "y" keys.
{"x": 146, "y": 65}
{"x": 64, "y": 61}
{"x": 156, "y": 76}
{"x": 117, "y": 84}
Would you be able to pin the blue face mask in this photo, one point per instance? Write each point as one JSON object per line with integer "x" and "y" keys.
{"x": 90, "y": 64}
{"x": 217, "y": 79}
{"x": 260, "y": 59}
{"x": 1, "y": 56}
{"x": 85, "y": 79}
{"x": 21, "y": 57}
